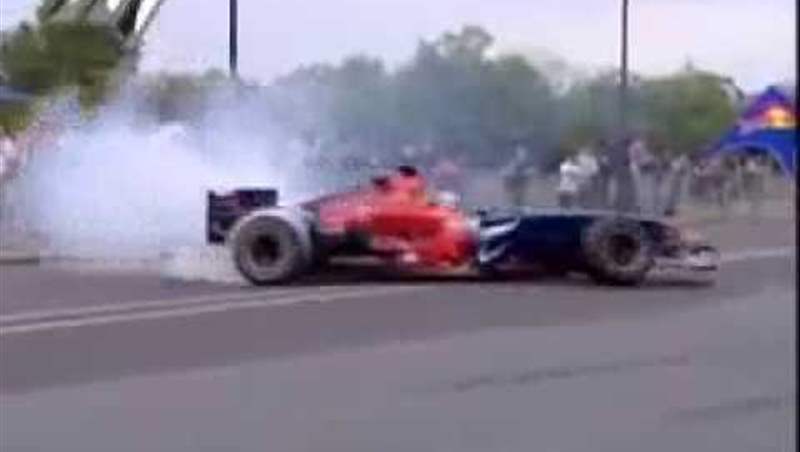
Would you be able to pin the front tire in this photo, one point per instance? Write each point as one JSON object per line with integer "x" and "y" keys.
{"x": 617, "y": 251}
{"x": 270, "y": 250}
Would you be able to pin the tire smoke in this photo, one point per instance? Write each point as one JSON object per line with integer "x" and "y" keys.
{"x": 124, "y": 186}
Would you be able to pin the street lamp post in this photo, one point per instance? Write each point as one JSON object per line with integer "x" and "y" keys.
{"x": 626, "y": 193}
{"x": 233, "y": 43}
{"x": 623, "y": 76}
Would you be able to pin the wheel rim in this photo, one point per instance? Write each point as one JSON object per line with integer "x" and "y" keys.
{"x": 265, "y": 251}
{"x": 623, "y": 249}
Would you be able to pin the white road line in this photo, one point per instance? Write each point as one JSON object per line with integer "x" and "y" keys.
{"x": 746, "y": 255}
{"x": 223, "y": 306}
{"x": 137, "y": 305}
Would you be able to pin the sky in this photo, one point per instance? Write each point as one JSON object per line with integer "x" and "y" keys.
{"x": 751, "y": 40}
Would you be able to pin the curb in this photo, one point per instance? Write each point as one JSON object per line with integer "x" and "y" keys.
{"x": 700, "y": 221}
{"x": 19, "y": 258}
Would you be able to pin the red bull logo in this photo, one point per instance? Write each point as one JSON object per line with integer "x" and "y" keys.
{"x": 778, "y": 117}
{"x": 774, "y": 117}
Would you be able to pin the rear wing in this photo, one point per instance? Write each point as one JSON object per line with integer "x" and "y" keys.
{"x": 224, "y": 209}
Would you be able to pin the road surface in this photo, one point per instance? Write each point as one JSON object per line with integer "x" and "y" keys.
{"x": 102, "y": 359}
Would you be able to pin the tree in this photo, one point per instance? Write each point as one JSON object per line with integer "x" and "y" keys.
{"x": 517, "y": 105}
{"x": 453, "y": 96}
{"x": 687, "y": 110}
{"x": 302, "y": 100}
{"x": 360, "y": 109}
{"x": 468, "y": 45}
{"x": 53, "y": 56}
{"x": 588, "y": 111}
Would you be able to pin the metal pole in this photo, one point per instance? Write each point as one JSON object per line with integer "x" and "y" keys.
{"x": 626, "y": 190}
{"x": 136, "y": 41}
{"x": 233, "y": 49}
{"x": 623, "y": 83}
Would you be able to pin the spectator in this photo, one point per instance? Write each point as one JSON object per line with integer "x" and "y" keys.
{"x": 587, "y": 185}
{"x": 678, "y": 175}
{"x": 754, "y": 181}
{"x": 604, "y": 174}
{"x": 700, "y": 186}
{"x": 732, "y": 167}
{"x": 661, "y": 177}
{"x": 644, "y": 166}
{"x": 570, "y": 178}
{"x": 516, "y": 176}
{"x": 447, "y": 175}
{"x": 624, "y": 188}
{"x": 719, "y": 185}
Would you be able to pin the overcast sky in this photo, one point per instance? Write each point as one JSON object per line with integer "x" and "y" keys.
{"x": 752, "y": 40}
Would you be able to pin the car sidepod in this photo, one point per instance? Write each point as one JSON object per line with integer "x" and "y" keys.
{"x": 530, "y": 238}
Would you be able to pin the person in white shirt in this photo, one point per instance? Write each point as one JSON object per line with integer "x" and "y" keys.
{"x": 570, "y": 178}
{"x": 589, "y": 168}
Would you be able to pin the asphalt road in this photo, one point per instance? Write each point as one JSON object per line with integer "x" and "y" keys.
{"x": 102, "y": 359}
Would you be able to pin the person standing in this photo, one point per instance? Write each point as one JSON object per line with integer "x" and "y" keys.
{"x": 638, "y": 157}
{"x": 570, "y": 178}
{"x": 754, "y": 181}
{"x": 447, "y": 175}
{"x": 700, "y": 186}
{"x": 625, "y": 199}
{"x": 516, "y": 175}
{"x": 587, "y": 185}
{"x": 661, "y": 177}
{"x": 679, "y": 169}
{"x": 603, "y": 175}
{"x": 644, "y": 167}
{"x": 719, "y": 185}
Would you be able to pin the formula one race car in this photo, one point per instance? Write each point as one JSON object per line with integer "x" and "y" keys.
{"x": 397, "y": 219}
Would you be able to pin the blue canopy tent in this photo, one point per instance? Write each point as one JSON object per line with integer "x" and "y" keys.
{"x": 768, "y": 124}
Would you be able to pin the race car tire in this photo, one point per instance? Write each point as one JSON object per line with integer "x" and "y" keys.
{"x": 271, "y": 248}
{"x": 617, "y": 251}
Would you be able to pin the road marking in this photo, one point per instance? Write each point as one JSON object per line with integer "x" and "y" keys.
{"x": 746, "y": 255}
{"x": 135, "y": 305}
{"x": 155, "y": 304}
{"x": 222, "y": 305}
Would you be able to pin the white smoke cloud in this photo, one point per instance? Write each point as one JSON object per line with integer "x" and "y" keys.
{"x": 123, "y": 186}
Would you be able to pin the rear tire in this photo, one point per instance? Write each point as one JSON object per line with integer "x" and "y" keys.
{"x": 270, "y": 250}
{"x": 617, "y": 251}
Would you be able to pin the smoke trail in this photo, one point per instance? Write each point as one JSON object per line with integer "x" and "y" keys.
{"x": 123, "y": 186}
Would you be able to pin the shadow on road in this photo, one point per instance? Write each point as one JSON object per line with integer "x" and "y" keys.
{"x": 344, "y": 274}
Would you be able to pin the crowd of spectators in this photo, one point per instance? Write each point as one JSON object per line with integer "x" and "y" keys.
{"x": 656, "y": 183}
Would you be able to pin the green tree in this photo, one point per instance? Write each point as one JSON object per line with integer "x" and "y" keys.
{"x": 517, "y": 105}
{"x": 53, "y": 56}
{"x": 180, "y": 96}
{"x": 687, "y": 110}
{"x": 360, "y": 104}
{"x": 302, "y": 100}
{"x": 454, "y": 96}
{"x": 589, "y": 110}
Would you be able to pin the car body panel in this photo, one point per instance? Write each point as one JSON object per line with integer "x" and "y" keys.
{"x": 550, "y": 235}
